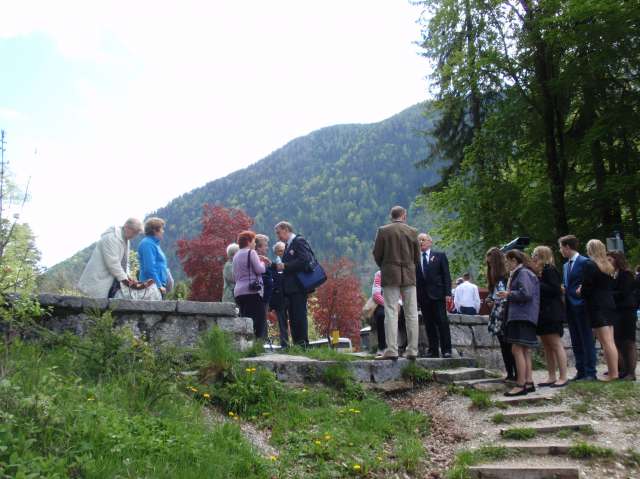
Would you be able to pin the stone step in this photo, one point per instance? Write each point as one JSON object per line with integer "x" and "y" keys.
{"x": 546, "y": 428}
{"x": 542, "y": 449}
{"x": 447, "y": 376}
{"x": 533, "y": 413}
{"x": 483, "y": 384}
{"x": 524, "y": 472}
{"x": 301, "y": 369}
{"x": 528, "y": 399}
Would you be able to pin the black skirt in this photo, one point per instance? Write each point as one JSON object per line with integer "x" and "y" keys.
{"x": 550, "y": 327}
{"x": 522, "y": 333}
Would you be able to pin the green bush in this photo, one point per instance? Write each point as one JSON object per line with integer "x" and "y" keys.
{"x": 248, "y": 391}
{"x": 584, "y": 450}
{"x": 519, "y": 433}
{"x": 339, "y": 376}
{"x": 215, "y": 353}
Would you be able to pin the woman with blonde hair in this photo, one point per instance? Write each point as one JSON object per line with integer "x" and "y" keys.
{"x": 600, "y": 307}
{"x": 551, "y": 317}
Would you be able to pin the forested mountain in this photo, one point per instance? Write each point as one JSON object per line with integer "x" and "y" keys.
{"x": 335, "y": 185}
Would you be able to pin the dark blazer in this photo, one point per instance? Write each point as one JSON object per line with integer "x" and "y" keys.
{"x": 277, "y": 294}
{"x": 435, "y": 282}
{"x": 296, "y": 259}
{"x": 597, "y": 291}
{"x": 573, "y": 279}
{"x": 551, "y": 308}
{"x": 267, "y": 285}
{"x": 623, "y": 291}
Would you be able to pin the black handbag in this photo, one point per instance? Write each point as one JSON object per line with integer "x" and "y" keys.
{"x": 254, "y": 285}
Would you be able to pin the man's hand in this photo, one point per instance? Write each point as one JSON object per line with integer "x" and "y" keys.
{"x": 447, "y": 298}
{"x": 502, "y": 294}
{"x": 280, "y": 266}
{"x": 265, "y": 260}
{"x": 579, "y": 290}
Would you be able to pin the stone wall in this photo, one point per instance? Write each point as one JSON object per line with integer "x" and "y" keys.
{"x": 471, "y": 338}
{"x": 174, "y": 322}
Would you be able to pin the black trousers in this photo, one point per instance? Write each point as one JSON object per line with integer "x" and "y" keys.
{"x": 252, "y": 306}
{"x": 297, "y": 309}
{"x": 378, "y": 316}
{"x": 283, "y": 324}
{"x": 434, "y": 314}
{"x": 507, "y": 357}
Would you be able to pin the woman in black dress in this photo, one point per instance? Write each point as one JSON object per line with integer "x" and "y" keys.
{"x": 600, "y": 309}
{"x": 624, "y": 330}
{"x": 550, "y": 320}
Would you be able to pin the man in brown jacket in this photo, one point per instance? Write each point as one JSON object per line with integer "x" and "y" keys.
{"x": 396, "y": 252}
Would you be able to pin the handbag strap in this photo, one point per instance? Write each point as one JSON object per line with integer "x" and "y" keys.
{"x": 249, "y": 267}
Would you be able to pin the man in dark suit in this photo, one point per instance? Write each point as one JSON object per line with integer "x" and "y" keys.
{"x": 433, "y": 282}
{"x": 296, "y": 258}
{"x": 582, "y": 342}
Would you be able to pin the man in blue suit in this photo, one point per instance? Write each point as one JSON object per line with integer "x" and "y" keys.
{"x": 582, "y": 342}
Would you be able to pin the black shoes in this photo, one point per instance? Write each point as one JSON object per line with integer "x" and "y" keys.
{"x": 523, "y": 391}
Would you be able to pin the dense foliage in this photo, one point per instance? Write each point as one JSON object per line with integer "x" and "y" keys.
{"x": 335, "y": 185}
{"x": 540, "y": 119}
{"x": 339, "y": 302}
{"x": 203, "y": 257}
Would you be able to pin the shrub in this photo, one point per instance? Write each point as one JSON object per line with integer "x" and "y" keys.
{"x": 417, "y": 374}
{"x": 215, "y": 353}
{"x": 584, "y": 450}
{"x": 519, "y": 433}
{"x": 247, "y": 391}
{"x": 339, "y": 376}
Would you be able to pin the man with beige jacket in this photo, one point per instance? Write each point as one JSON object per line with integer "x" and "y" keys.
{"x": 397, "y": 252}
{"x": 108, "y": 264}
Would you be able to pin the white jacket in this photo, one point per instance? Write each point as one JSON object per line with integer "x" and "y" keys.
{"x": 105, "y": 264}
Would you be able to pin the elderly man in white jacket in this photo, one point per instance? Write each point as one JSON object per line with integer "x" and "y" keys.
{"x": 109, "y": 260}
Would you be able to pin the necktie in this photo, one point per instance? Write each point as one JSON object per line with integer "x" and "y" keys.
{"x": 570, "y": 265}
{"x": 425, "y": 263}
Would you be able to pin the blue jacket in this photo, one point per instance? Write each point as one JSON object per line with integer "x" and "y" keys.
{"x": 153, "y": 262}
{"x": 573, "y": 279}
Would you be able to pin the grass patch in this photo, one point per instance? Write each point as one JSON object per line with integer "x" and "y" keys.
{"x": 632, "y": 458}
{"x": 584, "y": 450}
{"x": 111, "y": 406}
{"x": 618, "y": 396}
{"x": 581, "y": 407}
{"x": 467, "y": 458}
{"x": 519, "y": 433}
{"x": 418, "y": 375}
{"x": 498, "y": 418}
{"x": 479, "y": 399}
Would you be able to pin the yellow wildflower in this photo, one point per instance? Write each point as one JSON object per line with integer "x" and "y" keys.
{"x": 253, "y": 370}
{"x": 91, "y": 399}
{"x": 231, "y": 414}
{"x": 273, "y": 458}
{"x": 316, "y": 442}
{"x": 206, "y": 395}
{"x": 327, "y": 437}
{"x": 356, "y": 467}
{"x": 194, "y": 389}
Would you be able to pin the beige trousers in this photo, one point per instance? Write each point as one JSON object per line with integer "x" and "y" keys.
{"x": 391, "y": 295}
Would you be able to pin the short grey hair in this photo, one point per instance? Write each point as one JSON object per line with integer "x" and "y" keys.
{"x": 279, "y": 244}
{"x": 284, "y": 225}
{"x": 260, "y": 238}
{"x": 134, "y": 224}
{"x": 232, "y": 249}
{"x": 397, "y": 212}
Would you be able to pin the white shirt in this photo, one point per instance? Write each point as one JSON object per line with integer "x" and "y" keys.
{"x": 290, "y": 240}
{"x": 466, "y": 294}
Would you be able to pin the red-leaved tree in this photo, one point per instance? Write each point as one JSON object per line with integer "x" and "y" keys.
{"x": 203, "y": 257}
{"x": 340, "y": 298}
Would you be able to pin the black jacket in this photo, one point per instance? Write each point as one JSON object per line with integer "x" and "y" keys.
{"x": 435, "y": 283}
{"x": 623, "y": 291}
{"x": 551, "y": 308}
{"x": 597, "y": 291}
{"x": 297, "y": 258}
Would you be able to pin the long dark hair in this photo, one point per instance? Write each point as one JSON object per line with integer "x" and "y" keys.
{"x": 521, "y": 258}
{"x": 496, "y": 267}
{"x": 619, "y": 260}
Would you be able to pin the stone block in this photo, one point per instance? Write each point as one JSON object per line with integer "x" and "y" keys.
{"x": 467, "y": 319}
{"x": 94, "y": 304}
{"x": 383, "y": 371}
{"x": 361, "y": 370}
{"x": 524, "y": 472}
{"x": 482, "y": 338}
{"x": 129, "y": 305}
{"x": 461, "y": 335}
{"x": 235, "y": 325}
{"x": 59, "y": 301}
{"x": 207, "y": 308}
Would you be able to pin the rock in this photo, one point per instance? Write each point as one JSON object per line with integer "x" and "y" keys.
{"x": 207, "y": 308}
{"x": 124, "y": 305}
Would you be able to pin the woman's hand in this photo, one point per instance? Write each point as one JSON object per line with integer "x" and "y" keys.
{"x": 502, "y": 294}
{"x": 488, "y": 301}
{"x": 265, "y": 260}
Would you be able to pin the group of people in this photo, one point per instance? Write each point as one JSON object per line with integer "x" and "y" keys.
{"x": 530, "y": 301}
{"x": 106, "y": 274}
{"x": 258, "y": 285}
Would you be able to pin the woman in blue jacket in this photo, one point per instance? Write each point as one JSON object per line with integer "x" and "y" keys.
{"x": 153, "y": 262}
{"x": 523, "y": 307}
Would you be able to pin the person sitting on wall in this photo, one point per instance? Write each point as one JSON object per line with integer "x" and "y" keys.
{"x": 467, "y": 296}
{"x": 109, "y": 263}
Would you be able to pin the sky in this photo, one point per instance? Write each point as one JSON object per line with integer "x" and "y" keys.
{"x": 113, "y": 108}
